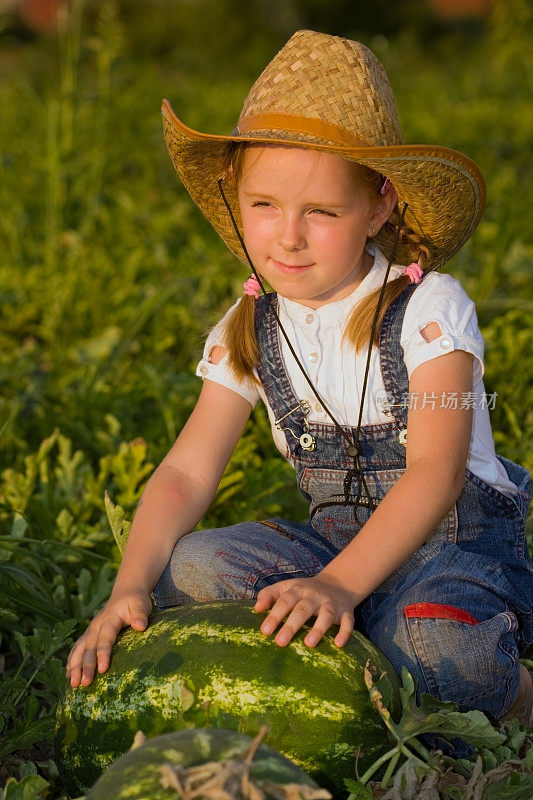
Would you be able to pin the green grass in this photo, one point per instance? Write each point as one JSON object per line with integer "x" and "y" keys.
{"x": 110, "y": 277}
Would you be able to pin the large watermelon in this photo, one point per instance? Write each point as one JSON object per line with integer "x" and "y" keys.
{"x": 137, "y": 774}
{"x": 208, "y": 665}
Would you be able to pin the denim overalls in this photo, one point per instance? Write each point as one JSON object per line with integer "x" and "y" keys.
{"x": 456, "y": 613}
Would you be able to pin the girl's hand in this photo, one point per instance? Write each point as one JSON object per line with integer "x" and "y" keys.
{"x": 298, "y": 599}
{"x": 93, "y": 648}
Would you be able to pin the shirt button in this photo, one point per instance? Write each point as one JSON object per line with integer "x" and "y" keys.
{"x": 318, "y": 408}
{"x": 309, "y": 318}
{"x": 313, "y": 358}
{"x": 204, "y": 370}
{"x": 446, "y": 343}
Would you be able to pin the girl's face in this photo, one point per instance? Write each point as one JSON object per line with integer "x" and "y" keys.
{"x": 306, "y": 217}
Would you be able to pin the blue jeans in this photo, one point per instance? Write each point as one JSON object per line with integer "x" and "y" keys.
{"x": 445, "y": 622}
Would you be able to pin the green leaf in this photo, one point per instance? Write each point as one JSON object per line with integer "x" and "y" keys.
{"x": 430, "y": 715}
{"x": 32, "y": 593}
{"x": 27, "y": 768}
{"x": 43, "y": 643}
{"x": 357, "y": 790}
{"x": 31, "y": 787}
{"x": 119, "y": 526}
{"x": 6, "y": 614}
{"x": 408, "y": 688}
{"x": 380, "y": 686}
{"x": 454, "y": 793}
{"x": 19, "y": 526}
{"x": 130, "y": 469}
{"x": 516, "y": 736}
{"x": 52, "y": 675}
{"x": 93, "y": 589}
{"x": 490, "y": 760}
{"x": 472, "y": 727}
{"x": 11, "y": 686}
{"x": 27, "y": 729}
{"x": 518, "y": 786}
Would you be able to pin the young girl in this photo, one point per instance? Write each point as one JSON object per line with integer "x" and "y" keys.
{"x": 417, "y": 529}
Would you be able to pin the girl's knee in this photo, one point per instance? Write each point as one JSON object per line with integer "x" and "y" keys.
{"x": 192, "y": 573}
{"x": 218, "y": 564}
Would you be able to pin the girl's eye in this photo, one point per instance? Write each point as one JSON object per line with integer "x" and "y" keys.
{"x": 322, "y": 212}
{"x": 261, "y": 204}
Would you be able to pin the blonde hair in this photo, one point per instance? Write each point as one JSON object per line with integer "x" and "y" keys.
{"x": 240, "y": 339}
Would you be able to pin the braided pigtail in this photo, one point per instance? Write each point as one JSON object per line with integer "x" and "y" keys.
{"x": 240, "y": 340}
{"x": 359, "y": 326}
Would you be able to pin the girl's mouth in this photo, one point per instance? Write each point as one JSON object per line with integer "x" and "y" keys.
{"x": 290, "y": 269}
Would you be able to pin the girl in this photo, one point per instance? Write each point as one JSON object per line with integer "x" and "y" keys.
{"x": 371, "y": 372}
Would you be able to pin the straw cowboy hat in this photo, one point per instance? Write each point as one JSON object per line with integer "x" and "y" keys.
{"x": 331, "y": 94}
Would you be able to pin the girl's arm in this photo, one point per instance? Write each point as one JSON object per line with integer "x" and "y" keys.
{"x": 437, "y": 449}
{"x": 175, "y": 498}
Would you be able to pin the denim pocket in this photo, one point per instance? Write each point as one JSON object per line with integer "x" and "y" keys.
{"x": 474, "y": 665}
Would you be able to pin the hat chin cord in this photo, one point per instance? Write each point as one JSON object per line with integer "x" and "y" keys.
{"x": 362, "y": 498}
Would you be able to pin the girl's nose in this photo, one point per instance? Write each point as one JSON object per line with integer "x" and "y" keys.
{"x": 291, "y": 233}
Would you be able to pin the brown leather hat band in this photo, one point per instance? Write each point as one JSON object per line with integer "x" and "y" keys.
{"x": 313, "y": 126}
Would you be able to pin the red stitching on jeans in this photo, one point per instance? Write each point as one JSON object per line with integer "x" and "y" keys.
{"x": 252, "y": 571}
{"x": 331, "y": 524}
{"x": 438, "y": 611}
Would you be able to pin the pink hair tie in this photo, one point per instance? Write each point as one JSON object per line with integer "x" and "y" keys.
{"x": 251, "y": 287}
{"x": 414, "y": 271}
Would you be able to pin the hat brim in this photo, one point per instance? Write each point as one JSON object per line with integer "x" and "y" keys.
{"x": 444, "y": 189}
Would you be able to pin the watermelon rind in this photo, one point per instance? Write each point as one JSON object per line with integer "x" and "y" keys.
{"x": 209, "y": 665}
{"x": 137, "y": 774}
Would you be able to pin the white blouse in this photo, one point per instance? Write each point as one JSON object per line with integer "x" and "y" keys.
{"x": 337, "y": 371}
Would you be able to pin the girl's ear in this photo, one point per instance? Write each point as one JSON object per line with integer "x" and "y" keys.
{"x": 384, "y": 208}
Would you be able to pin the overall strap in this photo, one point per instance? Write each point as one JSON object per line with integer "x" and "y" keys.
{"x": 272, "y": 372}
{"x": 391, "y": 357}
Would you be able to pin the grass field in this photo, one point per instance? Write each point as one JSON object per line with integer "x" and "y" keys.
{"x": 110, "y": 277}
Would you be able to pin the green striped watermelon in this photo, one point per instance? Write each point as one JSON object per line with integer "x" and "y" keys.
{"x": 137, "y": 774}
{"x": 208, "y": 665}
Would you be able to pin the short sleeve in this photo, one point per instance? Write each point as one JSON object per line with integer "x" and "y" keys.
{"x": 440, "y": 298}
{"x": 220, "y": 372}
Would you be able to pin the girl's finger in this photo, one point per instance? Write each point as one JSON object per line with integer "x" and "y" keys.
{"x": 265, "y": 598}
{"x": 139, "y": 621}
{"x": 83, "y": 661}
{"x": 82, "y": 674}
{"x": 345, "y": 629}
{"x": 88, "y": 664}
{"x": 283, "y": 605}
{"x": 76, "y": 654}
{"x": 73, "y": 650}
{"x": 106, "y": 640}
{"x": 303, "y": 610}
{"x": 270, "y": 594}
{"x": 325, "y": 619}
